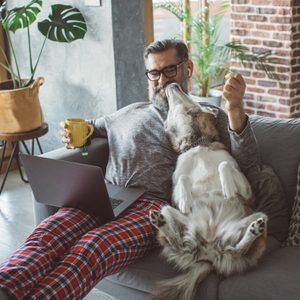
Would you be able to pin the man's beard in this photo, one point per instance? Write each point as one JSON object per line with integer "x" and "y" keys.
{"x": 158, "y": 97}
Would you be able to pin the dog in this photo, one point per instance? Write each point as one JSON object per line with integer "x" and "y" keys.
{"x": 213, "y": 227}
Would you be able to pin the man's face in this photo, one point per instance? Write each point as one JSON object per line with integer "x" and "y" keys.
{"x": 162, "y": 61}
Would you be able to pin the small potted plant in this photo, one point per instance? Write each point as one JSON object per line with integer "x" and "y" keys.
{"x": 201, "y": 31}
{"x": 19, "y": 102}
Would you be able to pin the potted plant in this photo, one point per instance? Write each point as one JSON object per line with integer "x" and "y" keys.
{"x": 201, "y": 32}
{"x": 19, "y": 103}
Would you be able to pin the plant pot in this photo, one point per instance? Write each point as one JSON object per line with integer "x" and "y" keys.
{"x": 215, "y": 97}
{"x": 20, "y": 108}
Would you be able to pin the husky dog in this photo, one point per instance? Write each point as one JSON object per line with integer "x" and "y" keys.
{"x": 214, "y": 228}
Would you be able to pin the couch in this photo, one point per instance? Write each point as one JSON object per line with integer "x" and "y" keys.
{"x": 278, "y": 275}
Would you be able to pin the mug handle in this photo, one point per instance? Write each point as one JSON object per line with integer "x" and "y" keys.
{"x": 91, "y": 129}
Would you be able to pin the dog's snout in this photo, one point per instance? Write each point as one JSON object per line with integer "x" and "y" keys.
{"x": 172, "y": 87}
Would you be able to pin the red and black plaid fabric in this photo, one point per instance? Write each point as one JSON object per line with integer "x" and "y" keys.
{"x": 69, "y": 252}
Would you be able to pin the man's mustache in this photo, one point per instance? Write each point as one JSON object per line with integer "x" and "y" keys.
{"x": 159, "y": 88}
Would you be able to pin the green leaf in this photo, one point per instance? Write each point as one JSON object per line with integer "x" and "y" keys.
{"x": 65, "y": 24}
{"x": 174, "y": 8}
{"x": 22, "y": 17}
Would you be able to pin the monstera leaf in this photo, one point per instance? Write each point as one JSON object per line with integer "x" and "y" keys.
{"x": 65, "y": 24}
{"x": 22, "y": 17}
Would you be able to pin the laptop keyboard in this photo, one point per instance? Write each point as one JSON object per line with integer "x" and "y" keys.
{"x": 115, "y": 202}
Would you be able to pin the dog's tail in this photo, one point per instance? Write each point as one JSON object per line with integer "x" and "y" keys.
{"x": 184, "y": 286}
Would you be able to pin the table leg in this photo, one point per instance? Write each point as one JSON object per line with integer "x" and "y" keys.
{"x": 3, "y": 155}
{"x": 32, "y": 147}
{"x": 25, "y": 146}
{"x": 38, "y": 142}
{"x": 13, "y": 153}
{"x": 19, "y": 167}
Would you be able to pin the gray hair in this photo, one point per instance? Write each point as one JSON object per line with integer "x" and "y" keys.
{"x": 182, "y": 51}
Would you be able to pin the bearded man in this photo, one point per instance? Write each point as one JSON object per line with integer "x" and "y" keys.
{"x": 69, "y": 252}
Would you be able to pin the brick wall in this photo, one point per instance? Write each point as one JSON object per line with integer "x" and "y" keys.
{"x": 270, "y": 25}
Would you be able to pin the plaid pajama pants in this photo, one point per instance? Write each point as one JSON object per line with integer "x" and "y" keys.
{"x": 69, "y": 252}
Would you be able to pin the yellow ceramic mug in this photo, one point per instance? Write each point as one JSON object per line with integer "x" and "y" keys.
{"x": 80, "y": 130}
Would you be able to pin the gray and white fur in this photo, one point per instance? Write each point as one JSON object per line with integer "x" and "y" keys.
{"x": 213, "y": 227}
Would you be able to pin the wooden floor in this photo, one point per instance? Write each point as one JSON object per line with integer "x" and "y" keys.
{"x": 16, "y": 214}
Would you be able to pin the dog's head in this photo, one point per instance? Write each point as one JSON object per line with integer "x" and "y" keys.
{"x": 188, "y": 123}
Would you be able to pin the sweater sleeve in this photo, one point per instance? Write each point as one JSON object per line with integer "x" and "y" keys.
{"x": 244, "y": 147}
{"x": 99, "y": 127}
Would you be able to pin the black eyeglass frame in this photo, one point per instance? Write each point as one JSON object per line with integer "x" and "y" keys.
{"x": 163, "y": 71}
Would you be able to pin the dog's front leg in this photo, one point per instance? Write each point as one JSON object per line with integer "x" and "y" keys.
{"x": 182, "y": 194}
{"x": 233, "y": 181}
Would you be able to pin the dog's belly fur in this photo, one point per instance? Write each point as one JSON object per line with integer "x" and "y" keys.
{"x": 205, "y": 174}
{"x": 201, "y": 165}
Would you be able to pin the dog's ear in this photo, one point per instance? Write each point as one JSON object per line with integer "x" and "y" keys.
{"x": 207, "y": 125}
{"x": 214, "y": 111}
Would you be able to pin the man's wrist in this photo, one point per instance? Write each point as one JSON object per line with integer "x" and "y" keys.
{"x": 237, "y": 119}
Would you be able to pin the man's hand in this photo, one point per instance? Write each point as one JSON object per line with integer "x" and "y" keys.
{"x": 233, "y": 93}
{"x": 65, "y": 134}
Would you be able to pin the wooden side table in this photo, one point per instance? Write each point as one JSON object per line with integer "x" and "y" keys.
{"x": 15, "y": 139}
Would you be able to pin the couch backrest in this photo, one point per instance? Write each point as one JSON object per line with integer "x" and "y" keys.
{"x": 279, "y": 147}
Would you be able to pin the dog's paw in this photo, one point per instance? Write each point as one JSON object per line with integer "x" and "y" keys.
{"x": 258, "y": 226}
{"x": 156, "y": 218}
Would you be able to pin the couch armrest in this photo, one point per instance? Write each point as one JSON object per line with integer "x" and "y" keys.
{"x": 97, "y": 155}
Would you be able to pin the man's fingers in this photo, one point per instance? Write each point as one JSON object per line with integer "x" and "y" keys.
{"x": 227, "y": 95}
{"x": 66, "y": 140}
{"x": 239, "y": 78}
{"x": 229, "y": 88}
{"x": 234, "y": 78}
{"x": 65, "y": 135}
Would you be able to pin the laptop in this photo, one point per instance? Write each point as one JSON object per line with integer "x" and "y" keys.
{"x": 68, "y": 184}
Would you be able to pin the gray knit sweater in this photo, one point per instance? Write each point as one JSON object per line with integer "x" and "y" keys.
{"x": 140, "y": 153}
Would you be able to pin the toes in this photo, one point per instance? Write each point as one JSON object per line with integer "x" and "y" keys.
{"x": 258, "y": 226}
{"x": 156, "y": 218}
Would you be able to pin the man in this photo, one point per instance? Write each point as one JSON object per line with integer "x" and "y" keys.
{"x": 68, "y": 253}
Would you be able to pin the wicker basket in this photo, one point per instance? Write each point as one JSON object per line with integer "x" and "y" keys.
{"x": 20, "y": 109}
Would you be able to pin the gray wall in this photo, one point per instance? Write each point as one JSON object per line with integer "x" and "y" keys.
{"x": 128, "y": 32}
{"x": 91, "y": 77}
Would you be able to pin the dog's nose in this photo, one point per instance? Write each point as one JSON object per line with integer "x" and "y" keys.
{"x": 171, "y": 87}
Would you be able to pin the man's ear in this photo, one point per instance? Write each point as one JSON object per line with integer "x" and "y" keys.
{"x": 190, "y": 67}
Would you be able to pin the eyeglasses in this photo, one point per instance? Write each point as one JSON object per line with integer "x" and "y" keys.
{"x": 169, "y": 72}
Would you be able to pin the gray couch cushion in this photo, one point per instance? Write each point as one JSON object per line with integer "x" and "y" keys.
{"x": 144, "y": 273}
{"x": 279, "y": 146}
{"x": 276, "y": 278}
{"x": 270, "y": 199}
{"x": 294, "y": 228}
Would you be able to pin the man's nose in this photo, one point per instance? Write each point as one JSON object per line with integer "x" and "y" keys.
{"x": 163, "y": 79}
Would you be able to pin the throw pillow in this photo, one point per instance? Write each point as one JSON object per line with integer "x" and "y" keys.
{"x": 270, "y": 199}
{"x": 293, "y": 238}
